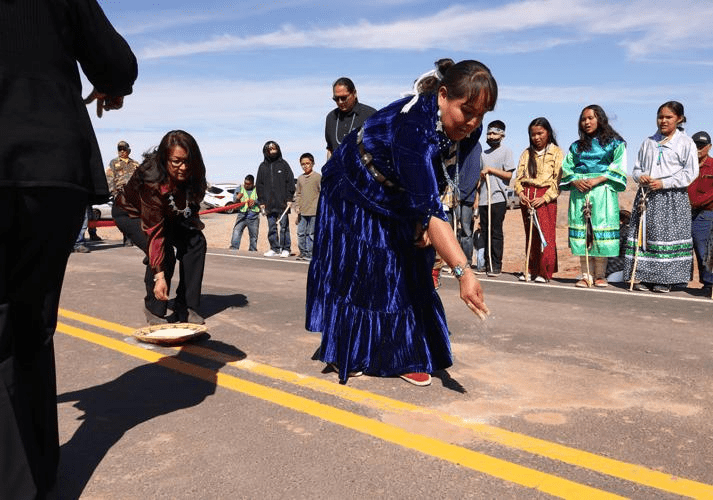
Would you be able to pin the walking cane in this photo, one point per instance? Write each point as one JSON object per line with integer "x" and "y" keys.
{"x": 531, "y": 212}
{"x": 587, "y": 211}
{"x": 279, "y": 221}
{"x": 490, "y": 218}
{"x": 639, "y": 236}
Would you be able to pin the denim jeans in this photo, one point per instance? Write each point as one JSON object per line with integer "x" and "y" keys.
{"x": 283, "y": 242}
{"x": 305, "y": 234}
{"x": 701, "y": 227}
{"x": 497, "y": 240}
{"x": 464, "y": 213}
{"x": 80, "y": 241}
{"x": 252, "y": 221}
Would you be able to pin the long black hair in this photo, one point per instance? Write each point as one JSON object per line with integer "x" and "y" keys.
{"x": 532, "y": 160}
{"x": 604, "y": 132}
{"x": 464, "y": 79}
{"x": 154, "y": 168}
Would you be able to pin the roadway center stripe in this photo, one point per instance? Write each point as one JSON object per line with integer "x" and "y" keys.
{"x": 615, "y": 468}
{"x": 476, "y": 461}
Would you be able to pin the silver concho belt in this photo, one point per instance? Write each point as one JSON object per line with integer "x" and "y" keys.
{"x": 367, "y": 161}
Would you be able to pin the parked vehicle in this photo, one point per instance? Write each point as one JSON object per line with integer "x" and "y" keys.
{"x": 220, "y": 195}
{"x": 513, "y": 200}
{"x": 103, "y": 211}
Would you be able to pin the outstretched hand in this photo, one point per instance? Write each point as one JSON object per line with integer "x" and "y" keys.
{"x": 104, "y": 101}
{"x": 472, "y": 294}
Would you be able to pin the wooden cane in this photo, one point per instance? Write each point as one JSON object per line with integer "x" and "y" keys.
{"x": 490, "y": 218}
{"x": 530, "y": 211}
{"x": 639, "y": 236}
{"x": 588, "y": 278}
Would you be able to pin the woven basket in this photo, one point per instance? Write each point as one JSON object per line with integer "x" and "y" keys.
{"x": 170, "y": 333}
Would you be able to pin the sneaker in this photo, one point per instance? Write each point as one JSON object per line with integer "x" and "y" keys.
{"x": 300, "y": 257}
{"x": 640, "y": 287}
{"x": 81, "y": 249}
{"x": 284, "y": 254}
{"x": 601, "y": 283}
{"x": 494, "y": 274}
{"x": 195, "y": 318}
{"x": 153, "y": 319}
{"x": 540, "y": 279}
{"x": 662, "y": 288}
{"x": 524, "y": 277}
{"x": 479, "y": 270}
{"x": 420, "y": 379}
{"x": 270, "y": 253}
{"x": 95, "y": 237}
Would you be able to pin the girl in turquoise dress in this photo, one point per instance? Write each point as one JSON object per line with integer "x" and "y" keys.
{"x": 594, "y": 171}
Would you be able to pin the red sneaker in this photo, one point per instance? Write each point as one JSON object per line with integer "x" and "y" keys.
{"x": 420, "y": 379}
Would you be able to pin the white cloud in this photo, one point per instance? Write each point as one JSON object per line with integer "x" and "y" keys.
{"x": 645, "y": 27}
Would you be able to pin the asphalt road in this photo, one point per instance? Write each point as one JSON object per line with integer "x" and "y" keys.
{"x": 562, "y": 392}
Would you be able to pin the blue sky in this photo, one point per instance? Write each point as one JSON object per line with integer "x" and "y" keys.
{"x": 236, "y": 74}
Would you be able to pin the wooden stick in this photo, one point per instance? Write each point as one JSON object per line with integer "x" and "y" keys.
{"x": 587, "y": 278}
{"x": 639, "y": 234}
{"x": 529, "y": 245}
{"x": 490, "y": 218}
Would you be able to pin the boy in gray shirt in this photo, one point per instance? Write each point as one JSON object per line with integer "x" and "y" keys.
{"x": 498, "y": 167}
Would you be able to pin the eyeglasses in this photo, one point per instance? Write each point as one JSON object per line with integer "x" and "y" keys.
{"x": 177, "y": 162}
{"x": 341, "y": 98}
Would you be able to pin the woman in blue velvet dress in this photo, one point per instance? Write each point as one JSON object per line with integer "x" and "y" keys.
{"x": 369, "y": 289}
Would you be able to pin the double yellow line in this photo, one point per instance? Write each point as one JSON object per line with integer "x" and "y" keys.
{"x": 526, "y": 477}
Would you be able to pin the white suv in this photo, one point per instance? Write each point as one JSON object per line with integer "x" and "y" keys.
{"x": 220, "y": 195}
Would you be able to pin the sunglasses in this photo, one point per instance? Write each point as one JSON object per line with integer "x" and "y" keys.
{"x": 123, "y": 149}
{"x": 341, "y": 98}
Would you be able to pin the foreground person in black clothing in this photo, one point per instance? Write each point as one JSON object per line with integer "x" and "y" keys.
{"x": 50, "y": 169}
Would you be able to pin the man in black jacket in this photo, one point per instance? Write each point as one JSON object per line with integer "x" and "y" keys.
{"x": 275, "y": 186}
{"x": 50, "y": 169}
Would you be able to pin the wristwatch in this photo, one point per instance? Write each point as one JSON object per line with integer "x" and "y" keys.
{"x": 458, "y": 271}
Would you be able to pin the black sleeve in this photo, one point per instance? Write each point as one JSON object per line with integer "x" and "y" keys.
{"x": 104, "y": 55}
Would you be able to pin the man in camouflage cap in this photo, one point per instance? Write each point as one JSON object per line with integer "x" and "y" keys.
{"x": 119, "y": 172}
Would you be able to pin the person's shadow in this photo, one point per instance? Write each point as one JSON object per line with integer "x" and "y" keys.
{"x": 113, "y": 408}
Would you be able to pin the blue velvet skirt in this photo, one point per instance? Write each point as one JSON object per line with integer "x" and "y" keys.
{"x": 370, "y": 291}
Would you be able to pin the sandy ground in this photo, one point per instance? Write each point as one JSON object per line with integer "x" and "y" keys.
{"x": 219, "y": 227}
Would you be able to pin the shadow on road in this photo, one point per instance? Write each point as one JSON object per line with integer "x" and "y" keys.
{"x": 214, "y": 304}
{"x": 139, "y": 395}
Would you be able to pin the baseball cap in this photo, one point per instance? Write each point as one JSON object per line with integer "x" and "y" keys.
{"x": 124, "y": 144}
{"x": 701, "y": 138}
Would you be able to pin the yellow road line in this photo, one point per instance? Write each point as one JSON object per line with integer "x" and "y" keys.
{"x": 615, "y": 468}
{"x": 476, "y": 461}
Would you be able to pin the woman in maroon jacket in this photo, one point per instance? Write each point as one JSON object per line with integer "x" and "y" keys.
{"x": 158, "y": 210}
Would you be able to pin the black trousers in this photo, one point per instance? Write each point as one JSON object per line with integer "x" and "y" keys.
{"x": 190, "y": 249}
{"x": 497, "y": 239}
{"x": 37, "y": 231}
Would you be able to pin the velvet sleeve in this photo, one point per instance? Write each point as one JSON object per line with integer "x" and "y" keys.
{"x": 415, "y": 155}
{"x": 152, "y": 223}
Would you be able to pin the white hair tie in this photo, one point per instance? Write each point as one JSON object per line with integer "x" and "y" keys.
{"x": 414, "y": 92}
